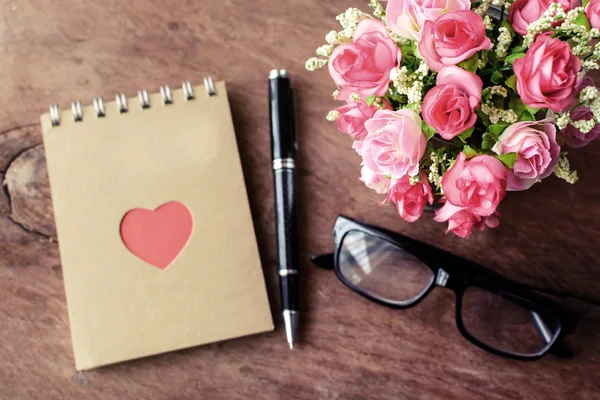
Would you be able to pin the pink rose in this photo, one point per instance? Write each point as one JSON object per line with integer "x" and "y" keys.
{"x": 592, "y": 11}
{"x": 395, "y": 143}
{"x": 407, "y": 17}
{"x": 449, "y": 107}
{"x": 378, "y": 183}
{"x": 357, "y": 146}
{"x": 364, "y": 65}
{"x": 452, "y": 38}
{"x": 536, "y": 148}
{"x": 354, "y": 114}
{"x": 461, "y": 221}
{"x": 524, "y": 12}
{"x": 572, "y": 136}
{"x": 547, "y": 75}
{"x": 410, "y": 199}
{"x": 477, "y": 184}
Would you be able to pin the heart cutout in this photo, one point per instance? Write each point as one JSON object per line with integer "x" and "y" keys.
{"x": 157, "y": 236}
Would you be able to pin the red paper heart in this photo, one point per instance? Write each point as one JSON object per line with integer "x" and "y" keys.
{"x": 158, "y": 236}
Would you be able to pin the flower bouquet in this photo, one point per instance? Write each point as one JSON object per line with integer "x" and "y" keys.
{"x": 443, "y": 99}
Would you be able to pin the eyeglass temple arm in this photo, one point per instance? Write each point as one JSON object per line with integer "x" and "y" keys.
{"x": 325, "y": 261}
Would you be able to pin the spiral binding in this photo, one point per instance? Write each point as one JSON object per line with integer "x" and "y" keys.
{"x": 121, "y": 100}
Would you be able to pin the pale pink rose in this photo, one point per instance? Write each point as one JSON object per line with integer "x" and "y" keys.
{"x": 357, "y": 146}
{"x": 379, "y": 183}
{"x": 407, "y": 17}
{"x": 592, "y": 11}
{"x": 461, "y": 221}
{"x": 524, "y": 12}
{"x": 477, "y": 184}
{"x": 449, "y": 107}
{"x": 547, "y": 75}
{"x": 572, "y": 136}
{"x": 410, "y": 199}
{"x": 353, "y": 116}
{"x": 364, "y": 65}
{"x": 395, "y": 143}
{"x": 536, "y": 148}
{"x": 452, "y": 38}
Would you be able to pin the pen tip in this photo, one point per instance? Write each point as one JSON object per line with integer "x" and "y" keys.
{"x": 291, "y": 345}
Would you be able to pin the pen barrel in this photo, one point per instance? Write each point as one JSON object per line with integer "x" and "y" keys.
{"x": 287, "y": 237}
{"x": 282, "y": 105}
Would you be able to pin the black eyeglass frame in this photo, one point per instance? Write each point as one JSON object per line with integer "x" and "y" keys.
{"x": 456, "y": 274}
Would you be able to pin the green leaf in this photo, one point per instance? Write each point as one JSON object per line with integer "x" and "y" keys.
{"x": 408, "y": 61}
{"x": 526, "y": 116}
{"x": 516, "y": 104}
{"x": 582, "y": 20}
{"x": 511, "y": 82}
{"x": 470, "y": 64}
{"x": 585, "y": 3}
{"x": 497, "y": 77}
{"x": 518, "y": 49}
{"x": 466, "y": 134}
{"x": 532, "y": 110}
{"x": 469, "y": 151}
{"x": 405, "y": 49}
{"x": 497, "y": 129}
{"x": 508, "y": 159}
{"x": 427, "y": 130}
{"x": 486, "y": 141}
{"x": 511, "y": 59}
{"x": 506, "y": 24}
{"x": 493, "y": 58}
{"x": 370, "y": 100}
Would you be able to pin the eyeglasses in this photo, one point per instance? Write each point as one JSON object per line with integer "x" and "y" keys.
{"x": 499, "y": 315}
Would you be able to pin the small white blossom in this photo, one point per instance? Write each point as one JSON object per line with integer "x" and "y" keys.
{"x": 333, "y": 115}
{"x": 413, "y": 180}
{"x": 325, "y": 50}
{"x": 483, "y": 60}
{"x": 499, "y": 90}
{"x": 335, "y": 94}
{"x": 434, "y": 170}
{"x": 563, "y": 169}
{"x": 487, "y": 21}
{"x": 504, "y": 39}
{"x": 588, "y": 93}
{"x": 331, "y": 37}
{"x": 379, "y": 103}
{"x": 496, "y": 114}
{"x": 415, "y": 93}
{"x": 378, "y": 9}
{"x": 351, "y": 17}
{"x": 483, "y": 7}
{"x": 595, "y": 108}
{"x": 315, "y": 63}
{"x": 354, "y": 96}
{"x": 562, "y": 120}
{"x": 584, "y": 125}
{"x": 344, "y": 36}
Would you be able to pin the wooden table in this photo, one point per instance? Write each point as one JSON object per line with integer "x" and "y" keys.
{"x": 59, "y": 51}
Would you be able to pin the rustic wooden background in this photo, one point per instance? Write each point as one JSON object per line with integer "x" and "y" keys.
{"x": 55, "y": 52}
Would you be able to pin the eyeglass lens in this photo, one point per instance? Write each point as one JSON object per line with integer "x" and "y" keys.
{"x": 390, "y": 273}
{"x": 382, "y": 269}
{"x": 507, "y": 323}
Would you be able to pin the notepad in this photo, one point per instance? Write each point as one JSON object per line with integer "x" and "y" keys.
{"x": 154, "y": 228}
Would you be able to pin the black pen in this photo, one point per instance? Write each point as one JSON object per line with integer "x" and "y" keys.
{"x": 284, "y": 145}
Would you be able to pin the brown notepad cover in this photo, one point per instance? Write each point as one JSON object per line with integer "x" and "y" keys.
{"x": 120, "y": 305}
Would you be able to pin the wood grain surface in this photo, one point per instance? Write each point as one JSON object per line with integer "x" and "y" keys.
{"x": 59, "y": 51}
